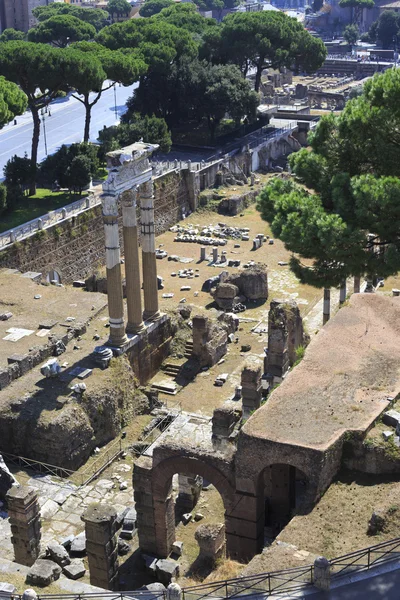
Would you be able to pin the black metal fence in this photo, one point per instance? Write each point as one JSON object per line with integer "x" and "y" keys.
{"x": 274, "y": 583}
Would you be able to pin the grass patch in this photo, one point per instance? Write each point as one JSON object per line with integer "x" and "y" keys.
{"x": 32, "y": 207}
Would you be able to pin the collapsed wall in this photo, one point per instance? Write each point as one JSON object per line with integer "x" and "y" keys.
{"x": 64, "y": 430}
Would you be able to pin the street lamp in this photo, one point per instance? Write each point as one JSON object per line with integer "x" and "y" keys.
{"x": 44, "y": 129}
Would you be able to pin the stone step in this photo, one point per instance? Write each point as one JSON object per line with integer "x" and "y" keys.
{"x": 165, "y": 387}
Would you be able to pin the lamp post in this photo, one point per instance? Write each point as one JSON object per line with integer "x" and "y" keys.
{"x": 44, "y": 129}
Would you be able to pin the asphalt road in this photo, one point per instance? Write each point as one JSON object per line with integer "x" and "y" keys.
{"x": 64, "y": 126}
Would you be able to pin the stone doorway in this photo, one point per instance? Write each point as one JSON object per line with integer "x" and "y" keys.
{"x": 53, "y": 276}
{"x": 155, "y": 503}
{"x": 285, "y": 489}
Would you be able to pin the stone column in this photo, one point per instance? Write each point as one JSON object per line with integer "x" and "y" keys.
{"x": 24, "y": 514}
{"x": 357, "y": 283}
{"x": 327, "y": 306}
{"x": 101, "y": 545}
{"x": 150, "y": 287}
{"x": 113, "y": 264}
{"x": 132, "y": 269}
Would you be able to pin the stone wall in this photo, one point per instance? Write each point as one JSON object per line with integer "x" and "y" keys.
{"x": 75, "y": 247}
{"x": 62, "y": 429}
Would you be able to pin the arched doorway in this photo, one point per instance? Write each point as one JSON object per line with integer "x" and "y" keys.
{"x": 155, "y": 502}
{"x": 285, "y": 491}
{"x": 53, "y": 276}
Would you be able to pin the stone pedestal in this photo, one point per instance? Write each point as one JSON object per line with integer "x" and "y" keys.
{"x": 24, "y": 514}
{"x": 132, "y": 270}
{"x": 322, "y": 573}
{"x": 113, "y": 265}
{"x": 211, "y": 541}
{"x": 149, "y": 261}
{"x": 101, "y": 545}
{"x": 251, "y": 389}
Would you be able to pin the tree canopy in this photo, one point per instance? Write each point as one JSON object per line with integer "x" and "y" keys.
{"x": 266, "y": 39}
{"x": 348, "y": 223}
{"x": 94, "y": 16}
{"x": 152, "y": 7}
{"x": 357, "y": 6}
{"x": 148, "y": 128}
{"x": 350, "y": 34}
{"x": 99, "y": 64}
{"x": 61, "y": 30}
{"x": 385, "y": 29}
{"x": 13, "y": 101}
{"x": 41, "y": 71}
{"x": 118, "y": 8}
{"x": 12, "y": 34}
{"x": 186, "y": 16}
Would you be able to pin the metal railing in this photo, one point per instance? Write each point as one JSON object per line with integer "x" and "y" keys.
{"x": 267, "y": 584}
{"x": 48, "y": 220}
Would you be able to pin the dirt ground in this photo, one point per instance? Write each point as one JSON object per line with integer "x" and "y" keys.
{"x": 337, "y": 525}
{"x": 17, "y": 295}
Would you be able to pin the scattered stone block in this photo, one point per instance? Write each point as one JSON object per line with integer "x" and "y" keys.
{"x": 43, "y": 572}
{"x": 177, "y": 548}
{"x": 78, "y": 545}
{"x": 166, "y": 570}
{"x": 7, "y": 590}
{"x": 186, "y": 518}
{"x": 387, "y": 434}
{"x": 75, "y": 570}
{"x": 79, "y": 283}
{"x": 198, "y": 517}
{"x": 58, "y": 554}
{"x": 66, "y": 542}
{"x": 391, "y": 418}
{"x": 5, "y": 316}
{"x": 86, "y": 373}
{"x": 150, "y": 563}
{"x": 48, "y": 324}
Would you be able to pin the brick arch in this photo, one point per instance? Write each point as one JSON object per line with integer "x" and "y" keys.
{"x": 163, "y": 504}
{"x": 184, "y": 465}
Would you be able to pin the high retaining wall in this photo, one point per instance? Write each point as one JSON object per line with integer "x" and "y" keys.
{"x": 74, "y": 247}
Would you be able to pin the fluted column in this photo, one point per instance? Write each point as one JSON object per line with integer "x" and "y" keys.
{"x": 149, "y": 262}
{"x": 113, "y": 264}
{"x": 132, "y": 270}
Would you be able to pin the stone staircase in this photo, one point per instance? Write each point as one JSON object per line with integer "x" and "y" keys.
{"x": 188, "y": 349}
{"x": 172, "y": 369}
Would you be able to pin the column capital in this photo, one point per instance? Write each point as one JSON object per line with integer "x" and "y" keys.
{"x": 129, "y": 197}
{"x": 146, "y": 190}
{"x": 110, "y": 205}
